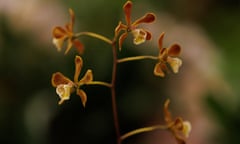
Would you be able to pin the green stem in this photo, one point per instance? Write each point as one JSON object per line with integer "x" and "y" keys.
{"x": 136, "y": 58}
{"x": 100, "y": 83}
{"x": 95, "y": 35}
{"x": 144, "y": 129}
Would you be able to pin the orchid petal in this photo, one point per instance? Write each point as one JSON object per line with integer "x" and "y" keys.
{"x": 149, "y": 35}
{"x": 121, "y": 39}
{"x": 79, "y": 46}
{"x": 127, "y": 9}
{"x": 174, "y": 50}
{"x": 59, "y": 32}
{"x": 119, "y": 27}
{"x": 83, "y": 96}
{"x": 58, "y": 43}
{"x": 175, "y": 63}
{"x": 58, "y": 78}
{"x": 158, "y": 70}
{"x": 69, "y": 45}
{"x": 160, "y": 41}
{"x": 147, "y": 18}
{"x": 88, "y": 77}
{"x": 64, "y": 92}
{"x": 139, "y": 35}
{"x": 167, "y": 114}
{"x": 78, "y": 67}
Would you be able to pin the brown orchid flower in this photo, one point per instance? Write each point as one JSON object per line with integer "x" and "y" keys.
{"x": 179, "y": 128}
{"x": 65, "y": 86}
{"x": 140, "y": 35}
{"x": 167, "y": 57}
{"x": 60, "y": 34}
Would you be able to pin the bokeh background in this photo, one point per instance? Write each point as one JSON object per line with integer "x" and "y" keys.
{"x": 205, "y": 92}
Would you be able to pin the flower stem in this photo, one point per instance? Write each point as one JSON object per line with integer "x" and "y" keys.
{"x": 95, "y": 35}
{"x": 100, "y": 83}
{"x": 136, "y": 58}
{"x": 113, "y": 93}
{"x": 144, "y": 129}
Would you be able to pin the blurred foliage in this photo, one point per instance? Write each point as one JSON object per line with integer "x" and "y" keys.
{"x": 28, "y": 103}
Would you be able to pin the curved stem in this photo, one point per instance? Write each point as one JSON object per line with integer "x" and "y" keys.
{"x": 144, "y": 129}
{"x": 100, "y": 83}
{"x": 95, "y": 35}
{"x": 136, "y": 58}
{"x": 113, "y": 93}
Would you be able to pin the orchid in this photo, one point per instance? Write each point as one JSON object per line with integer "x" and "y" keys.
{"x": 179, "y": 128}
{"x": 65, "y": 86}
{"x": 167, "y": 56}
{"x": 140, "y": 35}
{"x": 60, "y": 34}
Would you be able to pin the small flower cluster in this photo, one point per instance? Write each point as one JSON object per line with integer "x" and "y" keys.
{"x": 167, "y": 60}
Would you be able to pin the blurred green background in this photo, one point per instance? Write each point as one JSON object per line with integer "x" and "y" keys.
{"x": 206, "y": 91}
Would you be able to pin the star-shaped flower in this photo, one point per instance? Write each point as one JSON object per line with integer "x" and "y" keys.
{"x": 168, "y": 57}
{"x": 60, "y": 34}
{"x": 65, "y": 86}
{"x": 140, "y": 35}
{"x": 179, "y": 128}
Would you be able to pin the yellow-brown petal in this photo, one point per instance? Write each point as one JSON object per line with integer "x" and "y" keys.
{"x": 149, "y": 35}
{"x": 59, "y": 32}
{"x": 88, "y": 77}
{"x": 160, "y": 41}
{"x": 174, "y": 50}
{"x": 72, "y": 16}
{"x": 78, "y": 67}
{"x": 69, "y": 45}
{"x": 167, "y": 114}
{"x": 119, "y": 27}
{"x": 79, "y": 46}
{"x": 121, "y": 39}
{"x": 83, "y": 96}
{"x": 147, "y": 18}
{"x": 158, "y": 70}
{"x": 127, "y": 10}
{"x": 58, "y": 78}
{"x": 58, "y": 42}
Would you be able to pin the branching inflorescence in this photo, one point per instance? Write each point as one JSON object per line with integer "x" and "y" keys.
{"x": 167, "y": 60}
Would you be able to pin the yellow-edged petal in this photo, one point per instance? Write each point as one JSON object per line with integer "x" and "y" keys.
{"x": 127, "y": 10}
{"x": 147, "y": 18}
{"x": 58, "y": 78}
{"x": 58, "y": 42}
{"x": 121, "y": 39}
{"x": 174, "y": 50}
{"x": 88, "y": 77}
{"x": 158, "y": 71}
{"x": 83, "y": 96}
{"x": 78, "y": 67}
{"x": 69, "y": 45}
